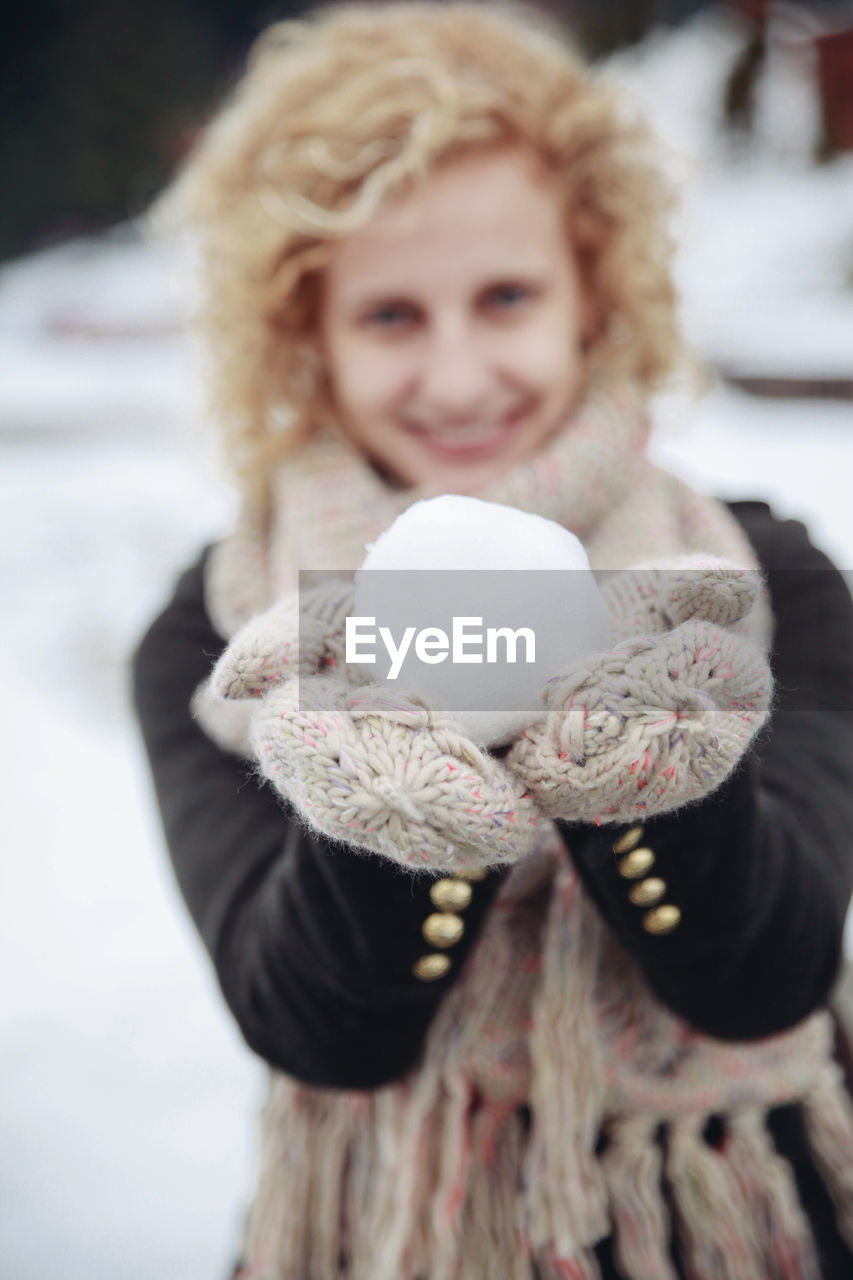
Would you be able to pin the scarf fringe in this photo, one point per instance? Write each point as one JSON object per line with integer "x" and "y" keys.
{"x": 393, "y": 1234}
{"x": 308, "y": 1139}
{"x": 632, "y": 1164}
{"x": 738, "y": 1209}
{"x": 766, "y": 1183}
{"x": 718, "y": 1242}
{"x": 491, "y": 1231}
{"x": 829, "y": 1126}
{"x": 415, "y": 1182}
{"x": 583, "y": 1266}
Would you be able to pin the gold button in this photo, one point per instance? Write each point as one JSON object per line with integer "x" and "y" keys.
{"x": 646, "y": 892}
{"x": 628, "y": 840}
{"x": 471, "y": 873}
{"x": 451, "y": 895}
{"x": 442, "y": 929}
{"x": 662, "y": 919}
{"x": 430, "y": 967}
{"x": 636, "y": 863}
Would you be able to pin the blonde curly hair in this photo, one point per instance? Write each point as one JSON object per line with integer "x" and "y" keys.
{"x": 338, "y": 112}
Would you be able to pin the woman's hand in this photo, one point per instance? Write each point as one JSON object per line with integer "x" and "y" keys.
{"x": 663, "y": 718}
{"x": 361, "y": 764}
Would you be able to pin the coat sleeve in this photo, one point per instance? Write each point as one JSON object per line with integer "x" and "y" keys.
{"x": 313, "y": 943}
{"x": 762, "y": 870}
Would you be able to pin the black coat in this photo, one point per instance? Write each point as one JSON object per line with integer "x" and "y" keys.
{"x": 314, "y": 943}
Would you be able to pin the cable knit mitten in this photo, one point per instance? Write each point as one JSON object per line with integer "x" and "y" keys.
{"x": 371, "y": 767}
{"x": 661, "y": 719}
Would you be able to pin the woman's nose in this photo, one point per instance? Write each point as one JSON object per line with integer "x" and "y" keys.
{"x": 455, "y": 376}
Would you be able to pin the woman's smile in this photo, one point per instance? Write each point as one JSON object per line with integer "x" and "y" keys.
{"x": 479, "y": 438}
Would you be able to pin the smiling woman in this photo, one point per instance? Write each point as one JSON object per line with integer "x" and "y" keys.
{"x": 453, "y": 324}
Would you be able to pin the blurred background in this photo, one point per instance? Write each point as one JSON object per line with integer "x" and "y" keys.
{"x": 127, "y": 1102}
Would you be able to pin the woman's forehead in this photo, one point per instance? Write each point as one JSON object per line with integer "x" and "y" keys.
{"x": 486, "y": 211}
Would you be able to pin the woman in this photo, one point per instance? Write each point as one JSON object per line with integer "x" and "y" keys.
{"x": 435, "y": 260}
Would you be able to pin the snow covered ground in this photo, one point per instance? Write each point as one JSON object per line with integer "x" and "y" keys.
{"x": 127, "y": 1103}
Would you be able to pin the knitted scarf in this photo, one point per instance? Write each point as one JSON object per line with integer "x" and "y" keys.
{"x": 437, "y": 1176}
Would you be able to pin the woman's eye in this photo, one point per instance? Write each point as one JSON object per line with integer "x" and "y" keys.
{"x": 393, "y": 315}
{"x": 507, "y": 296}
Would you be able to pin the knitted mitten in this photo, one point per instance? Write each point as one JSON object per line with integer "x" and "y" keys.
{"x": 361, "y": 764}
{"x": 666, "y": 714}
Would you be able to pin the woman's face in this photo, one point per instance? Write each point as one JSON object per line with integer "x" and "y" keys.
{"x": 452, "y": 324}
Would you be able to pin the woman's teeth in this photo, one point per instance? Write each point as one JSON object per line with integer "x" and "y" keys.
{"x": 467, "y": 436}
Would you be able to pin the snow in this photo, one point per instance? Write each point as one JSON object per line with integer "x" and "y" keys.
{"x": 127, "y": 1102}
{"x": 456, "y": 532}
{"x": 766, "y": 261}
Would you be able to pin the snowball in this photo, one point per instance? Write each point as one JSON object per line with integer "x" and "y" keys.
{"x": 454, "y": 532}
{"x": 457, "y": 597}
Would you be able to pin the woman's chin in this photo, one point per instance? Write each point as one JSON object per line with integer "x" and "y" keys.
{"x": 467, "y": 477}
